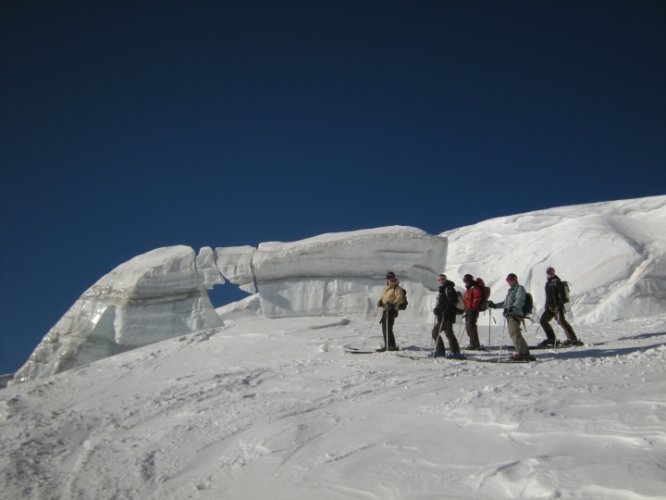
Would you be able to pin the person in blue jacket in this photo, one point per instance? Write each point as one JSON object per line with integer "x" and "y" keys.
{"x": 513, "y": 312}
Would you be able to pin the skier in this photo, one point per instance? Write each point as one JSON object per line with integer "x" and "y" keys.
{"x": 555, "y": 300}
{"x": 472, "y": 298}
{"x": 513, "y": 312}
{"x": 391, "y": 300}
{"x": 445, "y": 311}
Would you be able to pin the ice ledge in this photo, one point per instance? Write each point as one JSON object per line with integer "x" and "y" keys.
{"x": 162, "y": 294}
{"x": 152, "y": 297}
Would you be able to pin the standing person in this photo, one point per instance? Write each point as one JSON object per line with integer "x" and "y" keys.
{"x": 445, "y": 311}
{"x": 513, "y": 312}
{"x": 555, "y": 300}
{"x": 391, "y": 300}
{"x": 472, "y": 299}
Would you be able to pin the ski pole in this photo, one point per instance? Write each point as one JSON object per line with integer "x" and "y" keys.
{"x": 433, "y": 342}
{"x": 535, "y": 334}
{"x": 499, "y": 355}
{"x": 372, "y": 322}
{"x": 385, "y": 325}
{"x": 460, "y": 330}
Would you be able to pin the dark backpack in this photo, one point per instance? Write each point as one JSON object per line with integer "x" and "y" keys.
{"x": 485, "y": 294}
{"x": 460, "y": 303}
{"x": 528, "y": 306}
{"x": 403, "y": 306}
{"x": 565, "y": 292}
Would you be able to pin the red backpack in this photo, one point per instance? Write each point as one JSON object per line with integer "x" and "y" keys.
{"x": 485, "y": 294}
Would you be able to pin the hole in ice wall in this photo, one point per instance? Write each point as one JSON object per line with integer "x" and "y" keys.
{"x": 221, "y": 295}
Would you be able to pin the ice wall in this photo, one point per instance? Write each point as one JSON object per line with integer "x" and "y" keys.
{"x": 154, "y": 296}
{"x": 344, "y": 273}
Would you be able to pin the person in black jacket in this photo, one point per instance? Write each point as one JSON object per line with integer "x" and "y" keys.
{"x": 555, "y": 300}
{"x": 445, "y": 311}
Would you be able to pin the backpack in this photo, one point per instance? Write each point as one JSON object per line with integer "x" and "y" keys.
{"x": 403, "y": 306}
{"x": 460, "y": 303}
{"x": 485, "y": 294}
{"x": 528, "y": 306}
{"x": 565, "y": 288}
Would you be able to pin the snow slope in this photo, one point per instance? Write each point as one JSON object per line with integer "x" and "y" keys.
{"x": 613, "y": 254}
{"x": 275, "y": 409}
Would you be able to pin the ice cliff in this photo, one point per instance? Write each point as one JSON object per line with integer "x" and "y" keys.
{"x": 162, "y": 293}
{"x": 151, "y": 297}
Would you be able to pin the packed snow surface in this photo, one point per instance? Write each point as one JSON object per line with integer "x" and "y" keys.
{"x": 275, "y": 408}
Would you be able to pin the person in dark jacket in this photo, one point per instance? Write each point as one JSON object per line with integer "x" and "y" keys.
{"x": 445, "y": 311}
{"x": 472, "y": 298}
{"x": 555, "y": 300}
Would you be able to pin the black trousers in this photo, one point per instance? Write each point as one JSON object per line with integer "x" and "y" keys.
{"x": 388, "y": 318}
{"x": 447, "y": 327}
{"x": 546, "y": 318}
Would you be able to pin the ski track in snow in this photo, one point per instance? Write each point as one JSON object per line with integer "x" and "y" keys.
{"x": 237, "y": 413}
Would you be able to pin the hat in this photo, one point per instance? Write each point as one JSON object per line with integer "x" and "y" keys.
{"x": 512, "y": 276}
{"x": 441, "y": 275}
{"x": 467, "y": 278}
{"x": 550, "y": 269}
{"x": 390, "y": 274}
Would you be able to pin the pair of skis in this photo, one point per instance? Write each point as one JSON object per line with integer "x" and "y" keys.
{"x": 413, "y": 352}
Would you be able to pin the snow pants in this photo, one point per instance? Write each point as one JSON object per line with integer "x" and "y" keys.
{"x": 388, "y": 318}
{"x": 472, "y": 331}
{"x": 548, "y": 315}
{"x": 513, "y": 324}
{"x": 447, "y": 327}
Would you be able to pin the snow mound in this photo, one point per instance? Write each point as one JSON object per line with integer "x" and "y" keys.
{"x": 613, "y": 255}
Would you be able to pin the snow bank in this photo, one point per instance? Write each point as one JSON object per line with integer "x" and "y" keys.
{"x": 613, "y": 255}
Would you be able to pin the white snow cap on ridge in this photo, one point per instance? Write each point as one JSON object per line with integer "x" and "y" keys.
{"x": 613, "y": 255}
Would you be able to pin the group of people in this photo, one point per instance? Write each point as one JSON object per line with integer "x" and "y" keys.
{"x": 393, "y": 297}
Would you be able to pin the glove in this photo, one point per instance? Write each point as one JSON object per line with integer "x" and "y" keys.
{"x": 491, "y": 304}
{"x": 390, "y": 307}
{"x": 435, "y": 311}
{"x": 379, "y": 303}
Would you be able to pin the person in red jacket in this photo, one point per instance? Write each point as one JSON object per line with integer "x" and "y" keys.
{"x": 472, "y": 298}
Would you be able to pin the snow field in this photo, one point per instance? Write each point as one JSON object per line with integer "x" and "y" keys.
{"x": 275, "y": 408}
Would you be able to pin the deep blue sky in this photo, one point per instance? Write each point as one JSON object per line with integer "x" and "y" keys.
{"x": 126, "y": 126}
